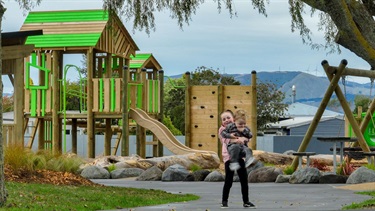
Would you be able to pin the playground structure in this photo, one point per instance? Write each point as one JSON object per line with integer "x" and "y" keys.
{"x": 334, "y": 74}
{"x": 120, "y": 86}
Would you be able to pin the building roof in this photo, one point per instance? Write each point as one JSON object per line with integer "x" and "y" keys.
{"x": 299, "y": 114}
{"x": 18, "y": 37}
{"x": 79, "y": 29}
{"x": 144, "y": 60}
{"x": 300, "y": 109}
{"x": 300, "y": 121}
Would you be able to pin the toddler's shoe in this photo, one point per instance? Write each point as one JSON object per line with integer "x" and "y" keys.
{"x": 234, "y": 166}
{"x": 249, "y": 161}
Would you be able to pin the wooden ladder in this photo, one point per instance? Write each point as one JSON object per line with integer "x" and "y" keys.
{"x": 118, "y": 141}
{"x": 33, "y": 132}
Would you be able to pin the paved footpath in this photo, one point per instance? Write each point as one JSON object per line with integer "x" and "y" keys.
{"x": 266, "y": 196}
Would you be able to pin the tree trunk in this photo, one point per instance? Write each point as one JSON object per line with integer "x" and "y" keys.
{"x": 3, "y": 196}
{"x": 355, "y": 25}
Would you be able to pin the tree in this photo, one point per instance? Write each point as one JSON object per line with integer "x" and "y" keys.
{"x": 269, "y": 104}
{"x": 363, "y": 101}
{"x": 207, "y": 76}
{"x": 27, "y": 5}
{"x": 334, "y": 105}
{"x": 174, "y": 99}
{"x": 72, "y": 95}
{"x": 349, "y": 24}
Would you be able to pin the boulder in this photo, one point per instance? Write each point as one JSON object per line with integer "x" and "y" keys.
{"x": 201, "y": 174}
{"x": 214, "y": 176}
{"x": 361, "y": 175}
{"x": 264, "y": 174}
{"x": 175, "y": 172}
{"x": 332, "y": 179}
{"x": 126, "y": 172}
{"x": 151, "y": 174}
{"x": 305, "y": 175}
{"x": 95, "y": 172}
{"x": 281, "y": 178}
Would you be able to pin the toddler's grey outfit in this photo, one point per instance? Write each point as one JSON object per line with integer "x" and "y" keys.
{"x": 238, "y": 151}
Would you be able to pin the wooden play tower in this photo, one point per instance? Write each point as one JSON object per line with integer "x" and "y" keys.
{"x": 113, "y": 84}
{"x": 204, "y": 105}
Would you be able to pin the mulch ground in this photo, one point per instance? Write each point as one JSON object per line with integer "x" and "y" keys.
{"x": 46, "y": 177}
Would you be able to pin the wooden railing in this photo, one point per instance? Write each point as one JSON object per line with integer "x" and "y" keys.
{"x": 8, "y": 134}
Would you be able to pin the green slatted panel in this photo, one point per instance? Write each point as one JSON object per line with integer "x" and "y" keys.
{"x": 66, "y": 16}
{"x": 63, "y": 40}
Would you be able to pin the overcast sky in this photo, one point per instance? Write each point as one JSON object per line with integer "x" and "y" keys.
{"x": 233, "y": 45}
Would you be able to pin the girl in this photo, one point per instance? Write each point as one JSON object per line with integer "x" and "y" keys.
{"x": 226, "y": 118}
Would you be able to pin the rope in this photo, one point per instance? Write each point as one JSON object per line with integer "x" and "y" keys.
{"x": 343, "y": 80}
{"x": 372, "y": 85}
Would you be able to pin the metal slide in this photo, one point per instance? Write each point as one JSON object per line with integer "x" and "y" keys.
{"x": 162, "y": 133}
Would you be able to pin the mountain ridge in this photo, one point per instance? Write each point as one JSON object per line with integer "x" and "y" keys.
{"x": 310, "y": 89}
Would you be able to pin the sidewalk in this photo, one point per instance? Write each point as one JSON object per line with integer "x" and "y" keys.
{"x": 266, "y": 196}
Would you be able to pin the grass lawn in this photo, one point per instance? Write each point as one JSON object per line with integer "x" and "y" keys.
{"x": 23, "y": 196}
{"x": 367, "y": 204}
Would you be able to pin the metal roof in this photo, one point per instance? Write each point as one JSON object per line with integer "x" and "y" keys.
{"x": 299, "y": 121}
{"x": 80, "y": 28}
{"x": 144, "y": 60}
{"x": 300, "y": 109}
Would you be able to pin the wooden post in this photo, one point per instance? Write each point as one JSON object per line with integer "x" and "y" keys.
{"x": 74, "y": 135}
{"x": 19, "y": 94}
{"x": 187, "y": 110}
{"x": 141, "y": 132}
{"x": 107, "y": 137}
{"x": 253, "y": 111}
{"x": 310, "y": 131}
{"x": 41, "y": 132}
{"x": 108, "y": 130}
{"x": 160, "y": 150}
{"x": 220, "y": 109}
{"x": 90, "y": 104}
{"x": 125, "y": 113}
{"x": 56, "y": 102}
{"x": 348, "y": 112}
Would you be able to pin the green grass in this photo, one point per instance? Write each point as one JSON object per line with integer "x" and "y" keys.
{"x": 49, "y": 197}
{"x": 365, "y": 204}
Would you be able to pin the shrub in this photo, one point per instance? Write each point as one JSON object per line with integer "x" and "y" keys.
{"x": 19, "y": 158}
{"x": 111, "y": 168}
{"x": 346, "y": 168}
{"x": 319, "y": 165}
{"x": 288, "y": 170}
{"x": 195, "y": 167}
{"x": 370, "y": 166}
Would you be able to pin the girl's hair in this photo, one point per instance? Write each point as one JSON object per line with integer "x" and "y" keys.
{"x": 228, "y": 111}
{"x": 239, "y": 115}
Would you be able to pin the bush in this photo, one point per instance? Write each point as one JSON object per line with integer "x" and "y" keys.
{"x": 319, "y": 165}
{"x": 195, "y": 167}
{"x": 18, "y": 158}
{"x": 288, "y": 170}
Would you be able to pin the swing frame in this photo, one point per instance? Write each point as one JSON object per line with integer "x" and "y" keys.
{"x": 334, "y": 74}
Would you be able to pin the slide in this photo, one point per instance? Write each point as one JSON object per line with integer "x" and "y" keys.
{"x": 164, "y": 135}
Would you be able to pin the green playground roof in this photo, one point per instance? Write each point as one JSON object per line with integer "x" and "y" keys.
{"x": 144, "y": 60}
{"x": 138, "y": 60}
{"x": 80, "y": 28}
{"x": 66, "y": 16}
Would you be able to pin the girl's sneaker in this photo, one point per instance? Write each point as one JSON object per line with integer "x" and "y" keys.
{"x": 249, "y": 205}
{"x": 224, "y": 204}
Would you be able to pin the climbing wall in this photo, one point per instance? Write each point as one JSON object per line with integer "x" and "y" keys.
{"x": 206, "y": 104}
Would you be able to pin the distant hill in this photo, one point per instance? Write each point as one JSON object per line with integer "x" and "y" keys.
{"x": 310, "y": 89}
